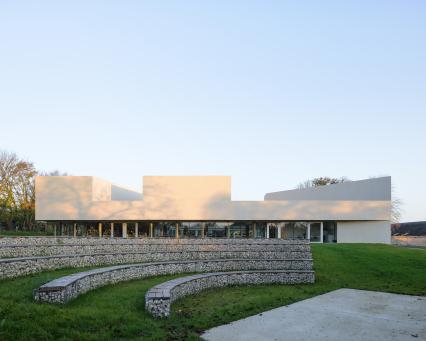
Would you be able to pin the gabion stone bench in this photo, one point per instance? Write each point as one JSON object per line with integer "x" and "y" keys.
{"x": 158, "y": 300}
{"x": 66, "y": 288}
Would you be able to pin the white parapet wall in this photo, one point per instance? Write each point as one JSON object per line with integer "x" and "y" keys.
{"x": 198, "y": 198}
{"x": 364, "y": 232}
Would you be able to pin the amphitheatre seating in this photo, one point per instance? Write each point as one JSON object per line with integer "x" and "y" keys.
{"x": 158, "y": 299}
{"x": 35, "y": 254}
{"x": 66, "y": 288}
{"x": 250, "y": 261}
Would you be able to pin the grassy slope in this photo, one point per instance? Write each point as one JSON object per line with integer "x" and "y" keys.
{"x": 117, "y": 312}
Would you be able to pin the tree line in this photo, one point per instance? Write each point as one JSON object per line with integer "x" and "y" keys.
{"x": 17, "y": 191}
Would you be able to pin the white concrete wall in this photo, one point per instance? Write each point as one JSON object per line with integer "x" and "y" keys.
{"x": 369, "y": 189}
{"x": 185, "y": 198}
{"x": 364, "y": 232}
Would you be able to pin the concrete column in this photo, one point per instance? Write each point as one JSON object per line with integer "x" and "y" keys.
{"x": 124, "y": 230}
{"x": 267, "y": 231}
{"x": 203, "y": 226}
{"x": 100, "y": 230}
{"x": 74, "y": 230}
{"x": 177, "y": 230}
{"x": 321, "y": 232}
{"x": 254, "y": 230}
{"x": 151, "y": 228}
{"x": 228, "y": 232}
{"x": 112, "y": 230}
{"x": 308, "y": 232}
{"x": 279, "y": 231}
{"x": 136, "y": 230}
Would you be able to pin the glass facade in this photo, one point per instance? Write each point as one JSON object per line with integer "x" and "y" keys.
{"x": 317, "y": 232}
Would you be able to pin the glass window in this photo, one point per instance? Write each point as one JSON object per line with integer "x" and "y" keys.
{"x": 239, "y": 230}
{"x": 190, "y": 230}
{"x": 273, "y": 230}
{"x": 130, "y": 230}
{"x": 296, "y": 230}
{"x": 315, "y": 232}
{"x": 164, "y": 229}
{"x": 216, "y": 230}
{"x": 330, "y": 232}
{"x": 260, "y": 230}
{"x": 143, "y": 229}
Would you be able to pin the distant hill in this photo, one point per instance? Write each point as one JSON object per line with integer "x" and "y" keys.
{"x": 417, "y": 228}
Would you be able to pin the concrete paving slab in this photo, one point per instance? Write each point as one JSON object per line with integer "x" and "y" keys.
{"x": 343, "y": 314}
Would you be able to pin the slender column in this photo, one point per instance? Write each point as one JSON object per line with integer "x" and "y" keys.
{"x": 308, "y": 232}
{"x": 254, "y": 230}
{"x": 151, "y": 227}
{"x": 279, "y": 231}
{"x": 54, "y": 229}
{"x": 203, "y": 226}
{"x": 177, "y": 230}
{"x": 112, "y": 230}
{"x": 124, "y": 230}
{"x": 321, "y": 232}
{"x": 267, "y": 231}
{"x": 136, "y": 230}
{"x": 75, "y": 230}
{"x": 100, "y": 230}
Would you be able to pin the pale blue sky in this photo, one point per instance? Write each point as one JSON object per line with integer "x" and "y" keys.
{"x": 271, "y": 93}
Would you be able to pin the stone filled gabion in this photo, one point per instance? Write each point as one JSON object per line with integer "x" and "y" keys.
{"x": 13, "y": 251}
{"x": 26, "y": 241}
{"x": 142, "y": 250}
{"x": 66, "y": 288}
{"x": 250, "y": 261}
{"x": 158, "y": 300}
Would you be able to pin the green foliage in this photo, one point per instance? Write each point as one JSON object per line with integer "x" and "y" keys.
{"x": 117, "y": 312}
{"x": 321, "y": 181}
{"x": 17, "y": 191}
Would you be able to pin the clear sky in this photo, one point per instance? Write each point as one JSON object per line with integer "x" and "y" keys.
{"x": 271, "y": 93}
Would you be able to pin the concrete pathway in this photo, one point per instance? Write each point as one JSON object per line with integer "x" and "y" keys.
{"x": 344, "y": 314}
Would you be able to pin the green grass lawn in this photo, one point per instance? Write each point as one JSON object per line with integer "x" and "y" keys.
{"x": 117, "y": 312}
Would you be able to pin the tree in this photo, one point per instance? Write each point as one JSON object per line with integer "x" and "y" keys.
{"x": 321, "y": 181}
{"x": 396, "y": 209}
{"x": 17, "y": 191}
{"x": 53, "y": 173}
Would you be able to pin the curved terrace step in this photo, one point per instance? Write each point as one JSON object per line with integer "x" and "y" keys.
{"x": 63, "y": 289}
{"x": 106, "y": 240}
{"x": 11, "y": 251}
{"x": 13, "y": 267}
{"x": 158, "y": 299}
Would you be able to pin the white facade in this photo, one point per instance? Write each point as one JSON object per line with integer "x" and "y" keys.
{"x": 361, "y": 209}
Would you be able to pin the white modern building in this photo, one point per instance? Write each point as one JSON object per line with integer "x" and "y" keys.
{"x": 201, "y": 207}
